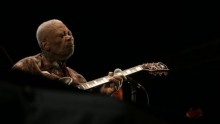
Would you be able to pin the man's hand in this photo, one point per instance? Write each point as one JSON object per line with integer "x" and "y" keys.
{"x": 114, "y": 84}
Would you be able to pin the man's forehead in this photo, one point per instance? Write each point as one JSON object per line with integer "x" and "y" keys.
{"x": 59, "y": 27}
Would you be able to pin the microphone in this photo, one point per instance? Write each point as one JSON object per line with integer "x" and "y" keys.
{"x": 133, "y": 89}
{"x": 117, "y": 70}
{"x": 130, "y": 80}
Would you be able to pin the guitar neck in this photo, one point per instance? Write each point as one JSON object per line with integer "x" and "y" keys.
{"x": 105, "y": 79}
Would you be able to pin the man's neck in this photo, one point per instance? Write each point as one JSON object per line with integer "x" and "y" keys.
{"x": 51, "y": 60}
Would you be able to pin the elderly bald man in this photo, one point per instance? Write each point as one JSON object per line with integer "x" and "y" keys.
{"x": 57, "y": 46}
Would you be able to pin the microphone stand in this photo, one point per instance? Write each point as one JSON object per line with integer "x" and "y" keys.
{"x": 134, "y": 85}
{"x": 133, "y": 91}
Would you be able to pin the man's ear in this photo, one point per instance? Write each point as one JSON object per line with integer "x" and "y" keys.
{"x": 45, "y": 45}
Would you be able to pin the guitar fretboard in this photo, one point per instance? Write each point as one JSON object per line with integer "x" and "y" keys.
{"x": 105, "y": 79}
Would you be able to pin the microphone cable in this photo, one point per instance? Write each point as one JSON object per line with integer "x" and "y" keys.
{"x": 138, "y": 85}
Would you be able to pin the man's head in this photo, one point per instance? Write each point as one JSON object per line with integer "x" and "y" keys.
{"x": 55, "y": 39}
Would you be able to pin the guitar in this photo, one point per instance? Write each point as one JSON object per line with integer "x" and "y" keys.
{"x": 153, "y": 68}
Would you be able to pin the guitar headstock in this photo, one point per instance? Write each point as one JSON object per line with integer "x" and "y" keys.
{"x": 157, "y": 68}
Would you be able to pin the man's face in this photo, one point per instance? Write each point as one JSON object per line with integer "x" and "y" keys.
{"x": 61, "y": 42}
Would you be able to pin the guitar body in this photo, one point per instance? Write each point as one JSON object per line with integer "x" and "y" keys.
{"x": 119, "y": 94}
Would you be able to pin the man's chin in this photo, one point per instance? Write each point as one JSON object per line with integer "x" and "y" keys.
{"x": 66, "y": 56}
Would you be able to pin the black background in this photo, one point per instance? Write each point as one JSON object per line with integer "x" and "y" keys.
{"x": 184, "y": 36}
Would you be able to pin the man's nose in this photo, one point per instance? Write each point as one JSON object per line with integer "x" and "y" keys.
{"x": 69, "y": 38}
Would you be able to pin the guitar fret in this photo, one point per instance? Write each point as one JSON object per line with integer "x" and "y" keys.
{"x": 105, "y": 79}
{"x": 85, "y": 85}
{"x": 100, "y": 81}
{"x": 128, "y": 71}
{"x": 157, "y": 66}
{"x": 139, "y": 68}
{"x": 132, "y": 70}
{"x": 95, "y": 82}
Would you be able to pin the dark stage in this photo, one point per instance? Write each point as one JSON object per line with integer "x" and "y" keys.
{"x": 185, "y": 37}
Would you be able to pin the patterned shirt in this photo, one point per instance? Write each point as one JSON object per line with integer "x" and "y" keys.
{"x": 39, "y": 65}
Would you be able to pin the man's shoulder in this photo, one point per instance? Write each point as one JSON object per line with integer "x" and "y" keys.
{"x": 26, "y": 61}
{"x": 30, "y": 58}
